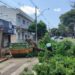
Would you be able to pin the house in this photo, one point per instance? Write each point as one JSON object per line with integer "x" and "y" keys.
{"x": 20, "y": 20}
{"x": 6, "y": 30}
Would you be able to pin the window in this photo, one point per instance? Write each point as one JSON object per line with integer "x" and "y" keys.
{"x": 22, "y": 35}
{"x": 18, "y": 35}
{"x": 19, "y": 19}
{"x": 23, "y": 21}
{"x": 26, "y": 36}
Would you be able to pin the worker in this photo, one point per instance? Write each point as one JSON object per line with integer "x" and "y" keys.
{"x": 49, "y": 46}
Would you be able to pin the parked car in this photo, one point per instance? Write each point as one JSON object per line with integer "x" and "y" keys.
{"x": 60, "y": 37}
{"x": 54, "y": 37}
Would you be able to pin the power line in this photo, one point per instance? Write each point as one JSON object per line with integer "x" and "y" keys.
{"x": 4, "y": 3}
{"x": 41, "y": 12}
{"x": 33, "y": 3}
{"x": 18, "y": 3}
{"x": 45, "y": 19}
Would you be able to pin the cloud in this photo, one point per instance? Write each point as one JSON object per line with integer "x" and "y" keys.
{"x": 29, "y": 10}
{"x": 57, "y": 9}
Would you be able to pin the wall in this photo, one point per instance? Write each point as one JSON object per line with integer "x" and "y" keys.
{"x": 22, "y": 21}
{"x": 8, "y": 14}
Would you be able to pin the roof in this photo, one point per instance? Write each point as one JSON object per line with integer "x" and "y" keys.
{"x": 24, "y": 14}
{"x": 19, "y": 11}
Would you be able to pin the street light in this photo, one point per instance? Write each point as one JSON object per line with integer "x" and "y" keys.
{"x": 36, "y": 20}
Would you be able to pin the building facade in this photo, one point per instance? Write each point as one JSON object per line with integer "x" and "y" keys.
{"x": 7, "y": 29}
{"x": 20, "y": 20}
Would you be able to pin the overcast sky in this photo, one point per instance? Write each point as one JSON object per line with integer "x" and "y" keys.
{"x": 51, "y": 17}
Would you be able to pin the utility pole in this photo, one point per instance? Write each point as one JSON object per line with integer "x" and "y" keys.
{"x": 1, "y": 32}
{"x": 73, "y": 7}
{"x": 74, "y": 30}
{"x": 36, "y": 24}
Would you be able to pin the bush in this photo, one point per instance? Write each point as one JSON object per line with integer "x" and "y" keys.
{"x": 43, "y": 41}
{"x": 71, "y": 52}
{"x": 57, "y": 65}
{"x": 63, "y": 47}
{"x": 60, "y": 61}
{"x": 45, "y": 56}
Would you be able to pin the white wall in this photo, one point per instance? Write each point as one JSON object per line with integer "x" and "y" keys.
{"x": 8, "y": 14}
{"x": 13, "y": 15}
{"x": 20, "y": 20}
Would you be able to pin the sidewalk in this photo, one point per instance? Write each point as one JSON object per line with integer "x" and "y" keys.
{"x": 16, "y": 66}
{"x": 3, "y": 59}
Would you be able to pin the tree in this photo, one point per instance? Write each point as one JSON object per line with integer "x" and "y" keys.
{"x": 55, "y": 32}
{"x": 68, "y": 19}
{"x": 41, "y": 29}
{"x": 64, "y": 31}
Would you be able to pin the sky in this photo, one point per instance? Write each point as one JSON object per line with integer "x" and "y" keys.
{"x": 51, "y": 16}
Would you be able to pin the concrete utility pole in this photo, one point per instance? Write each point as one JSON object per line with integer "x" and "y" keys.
{"x": 36, "y": 24}
{"x": 74, "y": 30}
{"x": 36, "y": 21}
{"x": 1, "y": 32}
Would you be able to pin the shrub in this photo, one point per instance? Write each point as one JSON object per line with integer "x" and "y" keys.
{"x": 57, "y": 65}
{"x": 63, "y": 47}
{"x": 72, "y": 51}
{"x": 60, "y": 61}
{"x": 45, "y": 56}
{"x": 44, "y": 40}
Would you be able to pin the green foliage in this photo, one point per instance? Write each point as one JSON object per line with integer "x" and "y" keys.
{"x": 64, "y": 47}
{"x": 66, "y": 26}
{"x": 68, "y": 19}
{"x": 57, "y": 65}
{"x": 46, "y": 39}
{"x": 44, "y": 56}
{"x": 55, "y": 32}
{"x": 27, "y": 72}
{"x": 60, "y": 61}
{"x": 64, "y": 30}
{"x": 41, "y": 29}
{"x": 71, "y": 52}
{"x": 19, "y": 46}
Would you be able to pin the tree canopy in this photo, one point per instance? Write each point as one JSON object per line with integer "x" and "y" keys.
{"x": 68, "y": 19}
{"x": 41, "y": 29}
